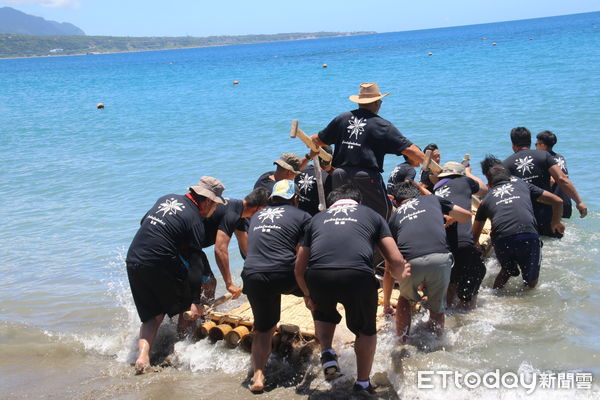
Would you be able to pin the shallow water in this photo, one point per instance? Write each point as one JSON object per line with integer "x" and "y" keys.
{"x": 75, "y": 182}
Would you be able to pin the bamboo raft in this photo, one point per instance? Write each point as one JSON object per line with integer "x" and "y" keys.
{"x": 235, "y": 326}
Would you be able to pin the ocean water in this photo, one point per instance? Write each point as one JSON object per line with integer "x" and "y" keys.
{"x": 75, "y": 182}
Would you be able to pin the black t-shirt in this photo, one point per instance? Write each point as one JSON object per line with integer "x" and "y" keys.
{"x": 343, "y": 237}
{"x": 226, "y": 218}
{"x": 458, "y": 190}
{"x": 418, "y": 226}
{"x": 308, "y": 197}
{"x": 172, "y": 223}
{"x": 532, "y": 166}
{"x": 272, "y": 238}
{"x": 402, "y": 172}
{"x": 265, "y": 182}
{"x": 567, "y": 206}
{"x": 508, "y": 205}
{"x": 425, "y": 174}
{"x": 362, "y": 139}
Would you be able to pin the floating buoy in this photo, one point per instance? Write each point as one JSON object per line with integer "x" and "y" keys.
{"x": 493, "y": 44}
{"x": 430, "y": 54}
{"x": 100, "y": 106}
{"x": 236, "y": 82}
{"x": 324, "y": 65}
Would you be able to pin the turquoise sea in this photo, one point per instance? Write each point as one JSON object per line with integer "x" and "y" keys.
{"x": 75, "y": 182}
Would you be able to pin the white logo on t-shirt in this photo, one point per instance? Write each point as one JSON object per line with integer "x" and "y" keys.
{"x": 524, "y": 165}
{"x": 443, "y": 192}
{"x": 344, "y": 209}
{"x": 271, "y": 214}
{"x": 561, "y": 163}
{"x": 409, "y": 205}
{"x": 356, "y": 127}
{"x": 170, "y": 206}
{"x": 504, "y": 190}
{"x": 306, "y": 182}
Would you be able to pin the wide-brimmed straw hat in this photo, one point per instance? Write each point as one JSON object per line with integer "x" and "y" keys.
{"x": 367, "y": 93}
{"x": 289, "y": 161}
{"x": 211, "y": 188}
{"x": 452, "y": 168}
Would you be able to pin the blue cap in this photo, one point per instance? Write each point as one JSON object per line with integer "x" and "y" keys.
{"x": 284, "y": 188}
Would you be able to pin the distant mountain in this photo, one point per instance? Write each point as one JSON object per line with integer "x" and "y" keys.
{"x": 17, "y": 22}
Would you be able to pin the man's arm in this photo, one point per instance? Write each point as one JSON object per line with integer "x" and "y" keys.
{"x": 399, "y": 267}
{"x": 222, "y": 257}
{"x": 414, "y": 154}
{"x": 557, "y": 210}
{"x": 317, "y": 140}
{"x": 242, "y": 238}
{"x": 299, "y": 270}
{"x": 483, "y": 189}
{"x": 476, "y": 229}
{"x": 568, "y": 188}
{"x": 460, "y": 214}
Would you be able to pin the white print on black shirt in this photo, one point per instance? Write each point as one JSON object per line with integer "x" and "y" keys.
{"x": 505, "y": 190}
{"x": 443, "y": 192}
{"x": 306, "y": 182}
{"x": 170, "y": 206}
{"x": 356, "y": 127}
{"x": 270, "y": 214}
{"x": 406, "y": 207}
{"x": 524, "y": 165}
{"x": 344, "y": 209}
{"x": 561, "y": 163}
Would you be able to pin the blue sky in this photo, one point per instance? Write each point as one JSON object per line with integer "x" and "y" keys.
{"x": 237, "y": 17}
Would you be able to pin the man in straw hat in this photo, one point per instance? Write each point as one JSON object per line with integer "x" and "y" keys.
{"x": 159, "y": 282}
{"x": 457, "y": 184}
{"x": 361, "y": 139}
{"x": 268, "y": 272}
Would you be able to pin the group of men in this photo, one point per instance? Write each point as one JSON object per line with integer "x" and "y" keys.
{"x": 422, "y": 231}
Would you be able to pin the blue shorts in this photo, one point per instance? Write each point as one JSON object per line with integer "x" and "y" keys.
{"x": 520, "y": 253}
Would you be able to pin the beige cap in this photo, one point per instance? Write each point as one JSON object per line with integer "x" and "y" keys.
{"x": 289, "y": 161}
{"x": 452, "y": 168}
{"x": 209, "y": 187}
{"x": 367, "y": 93}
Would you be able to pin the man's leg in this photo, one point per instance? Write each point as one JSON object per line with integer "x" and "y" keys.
{"x": 261, "y": 348}
{"x": 324, "y": 332}
{"x": 148, "y": 332}
{"x": 403, "y": 318}
{"x": 501, "y": 279}
{"x": 436, "y": 321}
{"x": 364, "y": 348}
{"x": 451, "y": 298}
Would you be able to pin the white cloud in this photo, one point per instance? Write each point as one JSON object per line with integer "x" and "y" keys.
{"x": 48, "y": 3}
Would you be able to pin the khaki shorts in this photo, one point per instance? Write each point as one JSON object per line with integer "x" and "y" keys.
{"x": 433, "y": 271}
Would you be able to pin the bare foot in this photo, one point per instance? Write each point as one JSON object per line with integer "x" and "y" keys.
{"x": 142, "y": 365}
{"x": 258, "y": 382}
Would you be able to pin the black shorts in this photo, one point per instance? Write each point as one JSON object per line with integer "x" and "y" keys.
{"x": 159, "y": 290}
{"x": 543, "y": 219}
{"x": 356, "y": 290}
{"x": 468, "y": 271}
{"x": 524, "y": 252}
{"x": 264, "y": 292}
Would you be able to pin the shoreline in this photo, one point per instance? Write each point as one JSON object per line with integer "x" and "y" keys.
{"x": 346, "y": 34}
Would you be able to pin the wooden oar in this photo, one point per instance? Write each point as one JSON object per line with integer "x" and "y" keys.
{"x": 297, "y": 132}
{"x": 430, "y": 164}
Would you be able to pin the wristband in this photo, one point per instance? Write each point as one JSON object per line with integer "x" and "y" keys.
{"x": 307, "y": 156}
